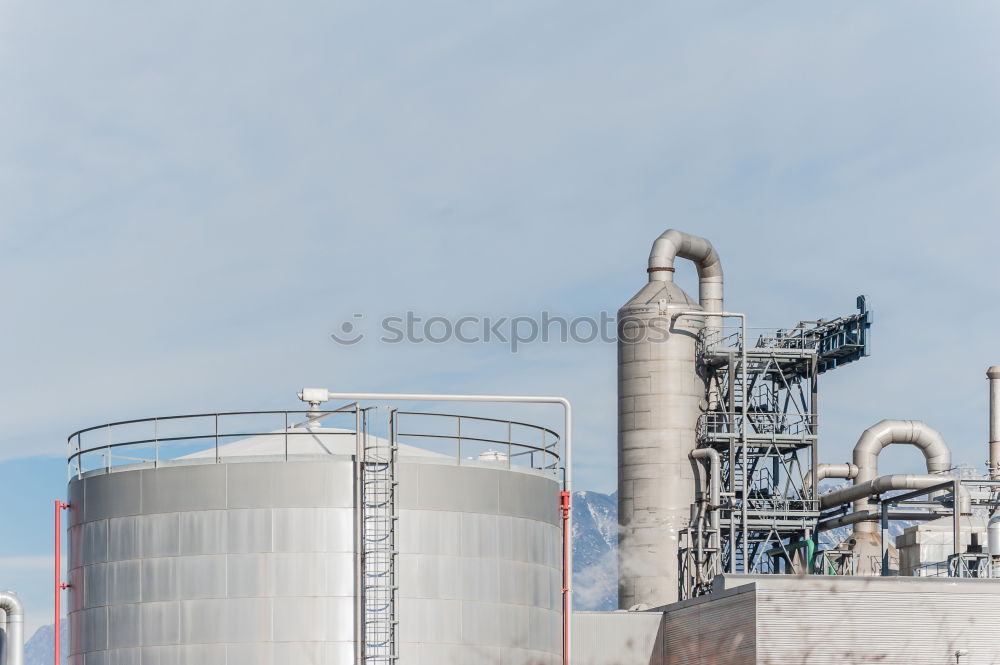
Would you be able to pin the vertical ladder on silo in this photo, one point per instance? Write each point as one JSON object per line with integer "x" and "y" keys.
{"x": 378, "y": 515}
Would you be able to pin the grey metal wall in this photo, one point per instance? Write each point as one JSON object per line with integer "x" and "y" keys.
{"x": 820, "y": 620}
{"x": 711, "y": 631}
{"x": 790, "y": 620}
{"x": 617, "y": 638}
{"x": 705, "y": 631}
{"x": 891, "y": 621}
{"x": 252, "y": 563}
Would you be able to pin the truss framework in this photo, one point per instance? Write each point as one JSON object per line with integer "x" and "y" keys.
{"x": 763, "y": 424}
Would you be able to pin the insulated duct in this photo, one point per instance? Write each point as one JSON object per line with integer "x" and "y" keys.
{"x": 859, "y": 492}
{"x": 13, "y": 642}
{"x": 887, "y": 432}
{"x": 847, "y": 471}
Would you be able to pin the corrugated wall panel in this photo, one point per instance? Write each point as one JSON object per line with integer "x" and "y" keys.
{"x": 826, "y": 627}
{"x": 720, "y": 631}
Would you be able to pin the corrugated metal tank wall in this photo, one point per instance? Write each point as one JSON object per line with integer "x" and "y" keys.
{"x": 252, "y": 563}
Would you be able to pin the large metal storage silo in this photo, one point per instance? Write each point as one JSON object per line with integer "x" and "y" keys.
{"x": 246, "y": 552}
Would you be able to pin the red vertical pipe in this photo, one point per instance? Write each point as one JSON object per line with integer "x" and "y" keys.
{"x": 59, "y": 586}
{"x": 58, "y": 580}
{"x": 564, "y": 505}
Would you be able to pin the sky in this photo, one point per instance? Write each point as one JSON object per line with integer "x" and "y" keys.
{"x": 196, "y": 195}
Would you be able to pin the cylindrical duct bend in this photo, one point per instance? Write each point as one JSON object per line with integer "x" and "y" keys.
{"x": 823, "y": 471}
{"x": 673, "y": 243}
{"x": 714, "y": 484}
{"x": 888, "y": 432}
{"x": 14, "y": 637}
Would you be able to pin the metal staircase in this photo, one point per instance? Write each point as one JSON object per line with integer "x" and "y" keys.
{"x": 761, "y": 420}
{"x": 378, "y": 543}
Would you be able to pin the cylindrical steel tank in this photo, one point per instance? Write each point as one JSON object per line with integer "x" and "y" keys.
{"x": 993, "y": 536}
{"x": 660, "y": 397}
{"x": 246, "y": 555}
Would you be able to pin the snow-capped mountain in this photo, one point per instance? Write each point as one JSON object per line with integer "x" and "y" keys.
{"x": 40, "y": 649}
{"x": 595, "y": 551}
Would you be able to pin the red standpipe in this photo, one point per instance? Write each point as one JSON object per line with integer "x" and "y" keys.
{"x": 565, "y": 507}
{"x": 59, "y": 586}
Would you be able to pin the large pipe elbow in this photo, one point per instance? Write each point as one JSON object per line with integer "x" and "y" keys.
{"x": 14, "y": 639}
{"x": 823, "y": 471}
{"x": 672, "y": 244}
{"x": 888, "y": 432}
{"x": 714, "y": 473}
{"x": 913, "y": 432}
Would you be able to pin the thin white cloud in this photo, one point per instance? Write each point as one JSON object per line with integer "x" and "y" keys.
{"x": 11, "y": 565}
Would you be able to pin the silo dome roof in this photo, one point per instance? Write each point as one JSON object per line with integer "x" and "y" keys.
{"x": 301, "y": 441}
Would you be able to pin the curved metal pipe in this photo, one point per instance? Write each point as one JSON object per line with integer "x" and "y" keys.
{"x": 847, "y": 471}
{"x": 714, "y": 485}
{"x": 887, "y": 432}
{"x": 714, "y": 495}
{"x": 14, "y": 629}
{"x": 897, "y": 481}
{"x": 714, "y": 465}
{"x": 673, "y": 243}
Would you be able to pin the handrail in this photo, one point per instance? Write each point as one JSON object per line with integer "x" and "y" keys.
{"x": 547, "y": 449}
{"x": 199, "y": 415}
{"x": 502, "y": 421}
{"x": 525, "y": 448}
{"x": 531, "y": 448}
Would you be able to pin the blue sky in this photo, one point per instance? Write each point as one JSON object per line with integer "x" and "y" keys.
{"x": 194, "y": 196}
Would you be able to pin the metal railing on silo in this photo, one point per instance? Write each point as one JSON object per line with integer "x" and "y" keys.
{"x": 207, "y": 437}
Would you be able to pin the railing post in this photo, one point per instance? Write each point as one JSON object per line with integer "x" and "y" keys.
{"x": 509, "y": 446}
{"x": 885, "y": 546}
{"x": 459, "y": 457}
{"x": 217, "y": 459}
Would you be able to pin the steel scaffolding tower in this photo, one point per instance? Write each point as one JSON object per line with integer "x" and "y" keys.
{"x": 761, "y": 420}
